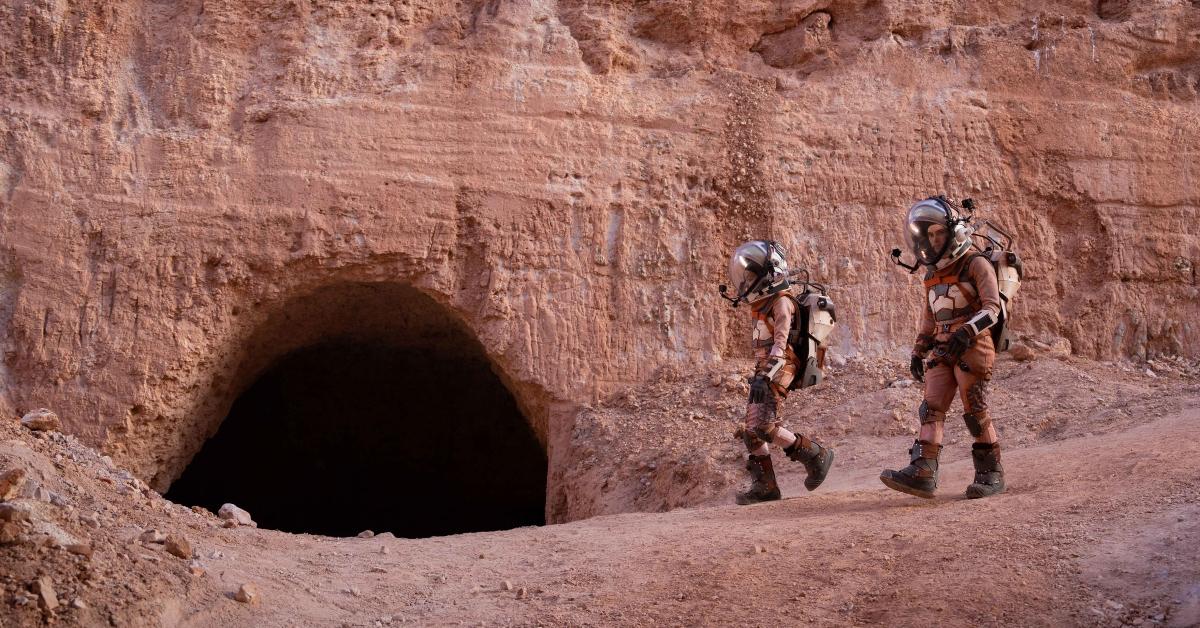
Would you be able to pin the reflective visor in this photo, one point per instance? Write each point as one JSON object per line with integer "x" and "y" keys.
{"x": 746, "y": 267}
{"x": 927, "y": 233}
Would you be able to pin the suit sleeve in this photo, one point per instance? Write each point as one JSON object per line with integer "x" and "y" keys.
{"x": 925, "y": 336}
{"x": 782, "y": 313}
{"x": 984, "y": 277}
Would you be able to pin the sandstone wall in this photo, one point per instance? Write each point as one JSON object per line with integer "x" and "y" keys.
{"x": 565, "y": 178}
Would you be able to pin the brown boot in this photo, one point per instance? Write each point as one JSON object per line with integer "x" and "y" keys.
{"x": 763, "y": 488}
{"x": 920, "y": 476}
{"x": 989, "y": 475}
{"x": 816, "y": 459}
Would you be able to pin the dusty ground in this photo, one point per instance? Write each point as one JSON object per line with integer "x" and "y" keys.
{"x": 1099, "y": 528}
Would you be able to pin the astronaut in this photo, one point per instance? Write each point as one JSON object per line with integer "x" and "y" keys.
{"x": 758, "y": 273}
{"x": 954, "y": 349}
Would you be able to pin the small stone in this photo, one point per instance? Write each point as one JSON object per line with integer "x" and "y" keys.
{"x": 195, "y": 568}
{"x": 758, "y": 549}
{"x": 10, "y": 531}
{"x": 901, "y": 383}
{"x": 378, "y": 570}
{"x": 152, "y": 536}
{"x": 384, "y": 550}
{"x": 366, "y": 534}
{"x": 230, "y": 512}
{"x": 216, "y": 554}
{"x": 522, "y": 593}
{"x": 506, "y": 585}
{"x": 44, "y": 588}
{"x": 14, "y": 513}
{"x": 354, "y": 591}
{"x": 1150, "y": 373}
{"x": 41, "y": 420}
{"x": 229, "y": 523}
{"x": 1060, "y": 349}
{"x": 78, "y": 603}
{"x": 81, "y": 549}
{"x": 247, "y": 594}
{"x": 1021, "y": 352}
{"x": 11, "y": 483}
{"x": 178, "y": 545}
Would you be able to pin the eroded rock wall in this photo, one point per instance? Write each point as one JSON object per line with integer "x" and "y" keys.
{"x": 566, "y": 179}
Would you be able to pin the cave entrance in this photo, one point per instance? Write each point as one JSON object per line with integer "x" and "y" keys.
{"x": 400, "y": 425}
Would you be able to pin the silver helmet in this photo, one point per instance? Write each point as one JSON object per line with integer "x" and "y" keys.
{"x": 936, "y": 235}
{"x": 757, "y": 269}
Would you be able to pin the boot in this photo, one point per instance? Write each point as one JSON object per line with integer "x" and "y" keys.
{"x": 920, "y": 476}
{"x": 989, "y": 475}
{"x": 816, "y": 459}
{"x": 763, "y": 488}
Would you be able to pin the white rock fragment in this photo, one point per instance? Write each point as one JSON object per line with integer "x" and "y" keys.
{"x": 230, "y": 512}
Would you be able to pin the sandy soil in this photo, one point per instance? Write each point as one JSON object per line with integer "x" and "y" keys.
{"x": 1099, "y": 527}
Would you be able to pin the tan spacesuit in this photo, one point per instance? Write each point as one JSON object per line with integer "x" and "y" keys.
{"x": 954, "y": 350}
{"x": 758, "y": 271}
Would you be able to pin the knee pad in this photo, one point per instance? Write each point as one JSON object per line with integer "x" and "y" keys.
{"x": 766, "y": 433}
{"x": 977, "y": 397}
{"x": 977, "y": 422}
{"x": 751, "y": 440}
{"x": 929, "y": 415}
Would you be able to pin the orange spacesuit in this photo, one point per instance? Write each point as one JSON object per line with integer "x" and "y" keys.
{"x": 954, "y": 350}
{"x": 758, "y": 271}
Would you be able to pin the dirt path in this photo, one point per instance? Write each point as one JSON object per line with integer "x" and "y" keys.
{"x": 1095, "y": 530}
{"x": 1099, "y": 530}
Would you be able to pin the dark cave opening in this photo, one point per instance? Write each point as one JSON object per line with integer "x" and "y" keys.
{"x": 414, "y": 438}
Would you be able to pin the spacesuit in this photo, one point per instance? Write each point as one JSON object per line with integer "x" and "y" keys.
{"x": 758, "y": 271}
{"x": 954, "y": 351}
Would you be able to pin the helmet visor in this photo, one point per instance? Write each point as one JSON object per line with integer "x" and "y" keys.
{"x": 747, "y": 266}
{"x": 927, "y": 232}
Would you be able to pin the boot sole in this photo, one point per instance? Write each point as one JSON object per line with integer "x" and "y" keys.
{"x": 904, "y": 488}
{"x": 741, "y": 501}
{"x": 978, "y": 495}
{"x": 827, "y": 468}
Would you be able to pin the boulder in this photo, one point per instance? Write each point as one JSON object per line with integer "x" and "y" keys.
{"x": 41, "y": 420}
{"x": 230, "y": 512}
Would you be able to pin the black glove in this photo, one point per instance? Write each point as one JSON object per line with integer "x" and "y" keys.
{"x": 759, "y": 387}
{"x": 958, "y": 344}
{"x": 916, "y": 366}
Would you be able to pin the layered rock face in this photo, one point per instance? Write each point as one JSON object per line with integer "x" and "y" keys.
{"x": 189, "y": 190}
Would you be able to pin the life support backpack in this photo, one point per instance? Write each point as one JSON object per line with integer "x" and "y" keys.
{"x": 995, "y": 245}
{"x": 811, "y": 326}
